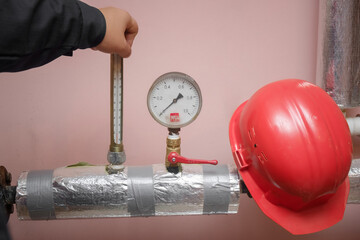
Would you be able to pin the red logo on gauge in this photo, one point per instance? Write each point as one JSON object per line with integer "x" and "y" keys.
{"x": 174, "y": 117}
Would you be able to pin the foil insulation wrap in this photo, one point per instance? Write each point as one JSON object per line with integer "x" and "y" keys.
{"x": 90, "y": 192}
{"x": 338, "y": 57}
{"x": 354, "y": 178}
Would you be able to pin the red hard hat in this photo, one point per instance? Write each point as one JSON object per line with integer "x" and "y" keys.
{"x": 293, "y": 149}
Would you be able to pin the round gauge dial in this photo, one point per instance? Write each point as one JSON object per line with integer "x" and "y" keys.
{"x": 174, "y": 100}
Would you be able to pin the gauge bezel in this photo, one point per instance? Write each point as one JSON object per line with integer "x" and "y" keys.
{"x": 185, "y": 77}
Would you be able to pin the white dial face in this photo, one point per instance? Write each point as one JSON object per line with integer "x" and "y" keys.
{"x": 174, "y": 100}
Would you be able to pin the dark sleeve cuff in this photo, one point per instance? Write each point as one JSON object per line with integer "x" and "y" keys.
{"x": 93, "y": 28}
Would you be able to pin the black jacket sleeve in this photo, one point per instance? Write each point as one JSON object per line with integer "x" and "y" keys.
{"x": 35, "y": 32}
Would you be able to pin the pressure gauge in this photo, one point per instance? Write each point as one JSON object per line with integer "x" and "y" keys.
{"x": 174, "y": 100}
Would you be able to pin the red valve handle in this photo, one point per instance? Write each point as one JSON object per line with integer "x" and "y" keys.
{"x": 174, "y": 157}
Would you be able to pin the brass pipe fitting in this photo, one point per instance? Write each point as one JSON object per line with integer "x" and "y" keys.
{"x": 173, "y": 142}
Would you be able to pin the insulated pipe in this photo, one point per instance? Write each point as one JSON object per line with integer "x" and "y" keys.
{"x": 90, "y": 192}
{"x": 338, "y": 56}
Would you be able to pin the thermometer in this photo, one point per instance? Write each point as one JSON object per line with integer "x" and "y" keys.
{"x": 116, "y": 154}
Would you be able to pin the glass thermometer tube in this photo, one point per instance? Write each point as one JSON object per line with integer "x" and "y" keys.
{"x": 116, "y": 105}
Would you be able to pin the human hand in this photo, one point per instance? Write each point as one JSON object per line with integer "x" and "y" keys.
{"x": 121, "y": 30}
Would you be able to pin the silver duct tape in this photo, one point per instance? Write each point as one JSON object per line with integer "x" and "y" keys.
{"x": 141, "y": 191}
{"x": 338, "y": 69}
{"x": 89, "y": 192}
{"x": 40, "y": 201}
{"x": 216, "y": 189}
{"x": 354, "y": 178}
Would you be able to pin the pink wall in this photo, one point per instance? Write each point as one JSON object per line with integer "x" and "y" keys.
{"x": 59, "y": 114}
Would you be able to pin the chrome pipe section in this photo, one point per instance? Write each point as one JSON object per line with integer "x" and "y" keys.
{"x": 90, "y": 192}
{"x": 338, "y": 56}
{"x": 354, "y": 125}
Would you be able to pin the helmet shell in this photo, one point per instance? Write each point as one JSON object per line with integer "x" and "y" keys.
{"x": 293, "y": 148}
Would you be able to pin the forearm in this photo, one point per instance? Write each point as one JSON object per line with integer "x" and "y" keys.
{"x": 35, "y": 32}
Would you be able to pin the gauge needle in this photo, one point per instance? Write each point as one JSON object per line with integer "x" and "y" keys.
{"x": 173, "y": 101}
